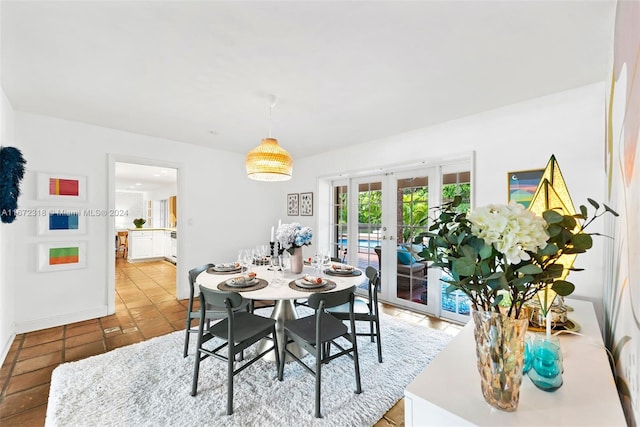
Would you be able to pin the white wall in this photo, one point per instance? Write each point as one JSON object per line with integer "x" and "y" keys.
{"x": 7, "y": 288}
{"x": 512, "y": 138}
{"x": 131, "y": 202}
{"x": 223, "y": 211}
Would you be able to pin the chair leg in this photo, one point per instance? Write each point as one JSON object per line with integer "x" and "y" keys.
{"x": 356, "y": 364}
{"x": 276, "y": 352}
{"x": 379, "y": 343}
{"x": 371, "y": 329}
{"x": 230, "y": 360}
{"x": 196, "y": 369}
{"x": 186, "y": 338}
{"x": 281, "y": 357}
{"x": 318, "y": 378}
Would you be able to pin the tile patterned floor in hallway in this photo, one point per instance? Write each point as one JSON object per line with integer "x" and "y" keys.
{"x": 145, "y": 308}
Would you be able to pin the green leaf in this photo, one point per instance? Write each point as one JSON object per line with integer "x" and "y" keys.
{"x": 552, "y": 217}
{"x": 583, "y": 211}
{"x": 469, "y": 252}
{"x": 553, "y": 230}
{"x": 608, "y": 209}
{"x": 582, "y": 242}
{"x": 456, "y": 201}
{"x": 464, "y": 266}
{"x": 486, "y": 251}
{"x": 529, "y": 269}
{"x": 593, "y": 203}
{"x": 549, "y": 250}
{"x": 568, "y": 222}
{"x": 563, "y": 288}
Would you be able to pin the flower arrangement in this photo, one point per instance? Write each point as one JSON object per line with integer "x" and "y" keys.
{"x": 501, "y": 256}
{"x": 294, "y": 235}
{"x": 139, "y": 222}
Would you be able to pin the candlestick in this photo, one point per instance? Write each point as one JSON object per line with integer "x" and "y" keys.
{"x": 272, "y": 244}
{"x": 548, "y": 322}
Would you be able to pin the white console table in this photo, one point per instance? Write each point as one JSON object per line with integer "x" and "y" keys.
{"x": 447, "y": 392}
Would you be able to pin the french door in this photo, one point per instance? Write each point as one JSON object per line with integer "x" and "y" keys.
{"x": 376, "y": 222}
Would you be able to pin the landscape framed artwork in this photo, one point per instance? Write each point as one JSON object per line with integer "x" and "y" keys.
{"x": 61, "y": 222}
{"x": 58, "y": 186}
{"x": 521, "y": 185}
{"x": 306, "y": 204}
{"x": 292, "y": 204}
{"x": 58, "y": 256}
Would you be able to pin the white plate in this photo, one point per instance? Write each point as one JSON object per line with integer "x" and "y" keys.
{"x": 240, "y": 283}
{"x": 226, "y": 267}
{"x": 340, "y": 272}
{"x": 304, "y": 284}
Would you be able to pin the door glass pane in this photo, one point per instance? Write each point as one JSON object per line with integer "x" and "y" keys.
{"x": 369, "y": 224}
{"x": 412, "y": 216}
{"x": 454, "y": 184}
{"x": 340, "y": 223}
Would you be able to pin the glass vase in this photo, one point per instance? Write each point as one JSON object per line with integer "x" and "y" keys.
{"x": 500, "y": 353}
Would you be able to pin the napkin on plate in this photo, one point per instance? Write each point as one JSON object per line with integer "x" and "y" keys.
{"x": 312, "y": 279}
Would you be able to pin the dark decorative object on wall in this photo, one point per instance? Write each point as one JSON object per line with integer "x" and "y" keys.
{"x": 11, "y": 173}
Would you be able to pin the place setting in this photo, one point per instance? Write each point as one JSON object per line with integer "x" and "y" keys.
{"x": 226, "y": 268}
{"x": 343, "y": 270}
{"x": 308, "y": 283}
{"x": 246, "y": 282}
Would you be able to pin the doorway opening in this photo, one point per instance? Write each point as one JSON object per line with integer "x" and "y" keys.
{"x": 144, "y": 199}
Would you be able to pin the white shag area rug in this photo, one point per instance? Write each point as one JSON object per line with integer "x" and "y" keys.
{"x": 149, "y": 384}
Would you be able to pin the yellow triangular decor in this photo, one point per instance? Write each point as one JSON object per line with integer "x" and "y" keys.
{"x": 552, "y": 193}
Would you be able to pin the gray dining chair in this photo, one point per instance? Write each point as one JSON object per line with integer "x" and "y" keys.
{"x": 238, "y": 330}
{"x": 212, "y": 313}
{"x": 365, "y": 310}
{"x": 314, "y": 332}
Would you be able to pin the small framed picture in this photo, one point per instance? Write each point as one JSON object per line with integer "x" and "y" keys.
{"x": 292, "y": 204}
{"x": 61, "y": 222}
{"x": 522, "y": 185}
{"x": 57, "y": 186}
{"x": 306, "y": 204}
{"x": 57, "y": 256}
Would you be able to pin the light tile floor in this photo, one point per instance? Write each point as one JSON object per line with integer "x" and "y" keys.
{"x": 145, "y": 308}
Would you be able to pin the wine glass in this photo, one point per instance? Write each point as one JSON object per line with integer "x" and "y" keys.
{"x": 326, "y": 260}
{"x": 316, "y": 262}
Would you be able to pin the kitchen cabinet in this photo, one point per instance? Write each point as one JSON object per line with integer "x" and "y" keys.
{"x": 158, "y": 243}
{"x": 148, "y": 244}
{"x": 140, "y": 244}
{"x": 167, "y": 244}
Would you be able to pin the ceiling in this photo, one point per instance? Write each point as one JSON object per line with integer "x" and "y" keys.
{"x": 135, "y": 177}
{"x": 343, "y": 73}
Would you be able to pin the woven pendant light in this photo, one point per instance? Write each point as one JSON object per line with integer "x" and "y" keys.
{"x": 268, "y": 161}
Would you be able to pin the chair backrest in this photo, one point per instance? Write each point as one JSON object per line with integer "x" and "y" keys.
{"x": 122, "y": 238}
{"x": 374, "y": 284}
{"x": 218, "y": 299}
{"x": 331, "y": 299}
{"x": 193, "y": 273}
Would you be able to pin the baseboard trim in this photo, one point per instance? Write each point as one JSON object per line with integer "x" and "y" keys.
{"x": 63, "y": 319}
{"x": 7, "y": 346}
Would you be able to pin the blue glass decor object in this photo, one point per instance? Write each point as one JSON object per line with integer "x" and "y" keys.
{"x": 528, "y": 355}
{"x": 546, "y": 366}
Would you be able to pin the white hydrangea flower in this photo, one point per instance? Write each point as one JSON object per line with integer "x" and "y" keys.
{"x": 511, "y": 229}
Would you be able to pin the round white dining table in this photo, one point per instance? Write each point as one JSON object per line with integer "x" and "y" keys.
{"x": 278, "y": 290}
